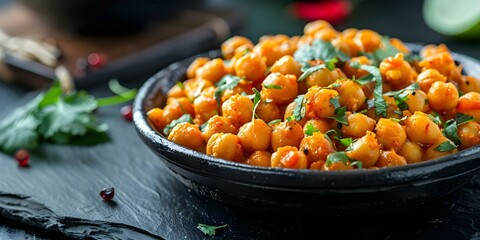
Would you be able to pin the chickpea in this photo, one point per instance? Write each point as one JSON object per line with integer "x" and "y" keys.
{"x": 398, "y": 44}
{"x": 390, "y": 134}
{"x": 281, "y": 89}
{"x": 426, "y": 78}
{"x": 431, "y": 153}
{"x": 421, "y": 129}
{"x": 396, "y": 71}
{"x": 194, "y": 87}
{"x": 318, "y": 124}
{"x": 228, "y": 47}
{"x": 268, "y": 50}
{"x": 337, "y": 166}
{"x": 260, "y": 158}
{"x": 469, "y": 84}
{"x": 289, "y": 157}
{"x": 286, "y": 65}
{"x": 318, "y": 165}
{"x": 432, "y": 49}
{"x": 238, "y": 109}
{"x": 242, "y": 87}
{"x": 251, "y": 67}
{"x": 155, "y": 115}
{"x": 267, "y": 111}
{"x": 350, "y": 94}
{"x": 412, "y": 152}
{"x": 349, "y": 33}
{"x": 312, "y": 27}
{"x": 205, "y": 107}
{"x": 196, "y": 64}
{"x": 358, "y": 125}
{"x": 218, "y": 124}
{"x": 321, "y": 78}
{"x": 176, "y": 92}
{"x": 390, "y": 159}
{"x": 187, "y": 135}
{"x": 212, "y": 71}
{"x": 351, "y": 72}
{"x": 346, "y": 45}
{"x": 469, "y": 104}
{"x": 444, "y": 63}
{"x": 176, "y": 109}
{"x": 366, "y": 149}
{"x": 255, "y": 136}
{"x": 442, "y": 96}
{"x": 317, "y": 102}
{"x": 367, "y": 40}
{"x": 469, "y": 134}
{"x": 241, "y": 50}
{"x": 286, "y": 134}
{"x": 316, "y": 147}
{"x": 416, "y": 100}
{"x": 226, "y": 146}
{"x": 325, "y": 34}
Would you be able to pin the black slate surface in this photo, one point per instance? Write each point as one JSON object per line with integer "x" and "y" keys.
{"x": 63, "y": 182}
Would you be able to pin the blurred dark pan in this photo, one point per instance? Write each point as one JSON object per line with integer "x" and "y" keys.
{"x": 357, "y": 191}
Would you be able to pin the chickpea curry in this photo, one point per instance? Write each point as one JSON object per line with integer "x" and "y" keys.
{"x": 325, "y": 100}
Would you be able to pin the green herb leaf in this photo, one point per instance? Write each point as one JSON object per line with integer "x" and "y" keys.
{"x": 272, "y": 86}
{"x": 299, "y": 110}
{"x": 378, "y": 102}
{"x": 319, "y": 50}
{"x": 435, "y": 117}
{"x": 339, "y": 113}
{"x": 450, "y": 131}
{"x": 19, "y": 131}
{"x": 209, "y": 230}
{"x": 445, "y": 147}
{"x": 275, "y": 121}
{"x": 184, "y": 118}
{"x": 388, "y": 50}
{"x": 310, "y": 130}
{"x": 227, "y": 82}
{"x": 401, "y": 96}
{"x": 337, "y": 157}
{"x": 344, "y": 141}
{"x": 461, "y": 118}
{"x": 330, "y": 65}
{"x": 180, "y": 85}
{"x": 256, "y": 101}
{"x": 358, "y": 164}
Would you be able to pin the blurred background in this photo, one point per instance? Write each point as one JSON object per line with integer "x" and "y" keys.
{"x": 97, "y": 40}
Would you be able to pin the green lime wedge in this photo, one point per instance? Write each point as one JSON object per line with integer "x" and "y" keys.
{"x": 455, "y": 18}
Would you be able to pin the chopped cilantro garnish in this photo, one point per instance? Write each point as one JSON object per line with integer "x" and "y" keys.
{"x": 435, "y": 117}
{"x": 256, "y": 100}
{"x": 445, "y": 147}
{"x": 272, "y": 86}
{"x": 274, "y": 121}
{"x": 339, "y": 113}
{"x": 227, "y": 82}
{"x": 337, "y": 157}
{"x": 330, "y": 65}
{"x": 184, "y": 118}
{"x": 357, "y": 164}
{"x": 310, "y": 129}
{"x": 299, "y": 110}
{"x": 374, "y": 76}
{"x": 319, "y": 50}
{"x": 450, "y": 131}
{"x": 388, "y": 50}
{"x": 208, "y": 229}
{"x": 461, "y": 118}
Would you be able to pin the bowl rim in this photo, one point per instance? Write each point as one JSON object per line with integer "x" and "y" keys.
{"x": 408, "y": 173}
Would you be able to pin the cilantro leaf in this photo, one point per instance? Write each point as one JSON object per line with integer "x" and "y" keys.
{"x": 344, "y": 141}
{"x": 122, "y": 94}
{"x": 337, "y": 157}
{"x": 274, "y": 121}
{"x": 272, "y": 86}
{"x": 461, "y": 118}
{"x": 330, "y": 65}
{"x": 184, "y": 118}
{"x": 450, "y": 131}
{"x": 357, "y": 164}
{"x": 256, "y": 100}
{"x": 299, "y": 111}
{"x": 319, "y": 50}
{"x": 227, "y": 82}
{"x": 378, "y": 102}
{"x": 208, "y": 229}
{"x": 445, "y": 147}
{"x": 20, "y": 133}
{"x": 435, "y": 117}
{"x": 339, "y": 113}
{"x": 388, "y": 50}
{"x": 310, "y": 129}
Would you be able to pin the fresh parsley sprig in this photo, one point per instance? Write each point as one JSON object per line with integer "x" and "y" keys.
{"x": 54, "y": 116}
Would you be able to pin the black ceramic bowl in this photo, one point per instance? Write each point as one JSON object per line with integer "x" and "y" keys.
{"x": 339, "y": 192}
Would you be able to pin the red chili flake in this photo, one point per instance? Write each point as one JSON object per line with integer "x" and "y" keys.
{"x": 22, "y": 156}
